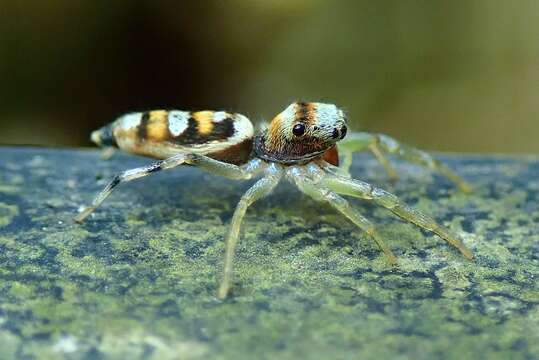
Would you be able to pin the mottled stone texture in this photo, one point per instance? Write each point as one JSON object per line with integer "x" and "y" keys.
{"x": 137, "y": 280}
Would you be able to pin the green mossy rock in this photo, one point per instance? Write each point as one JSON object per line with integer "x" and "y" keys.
{"x": 138, "y": 279}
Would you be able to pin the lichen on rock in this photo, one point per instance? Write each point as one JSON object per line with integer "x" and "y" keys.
{"x": 138, "y": 279}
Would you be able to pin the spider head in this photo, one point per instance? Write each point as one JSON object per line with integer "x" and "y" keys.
{"x": 301, "y": 132}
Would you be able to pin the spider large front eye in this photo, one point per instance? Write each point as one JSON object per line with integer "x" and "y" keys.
{"x": 298, "y": 129}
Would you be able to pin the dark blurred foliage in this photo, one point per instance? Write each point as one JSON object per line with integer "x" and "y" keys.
{"x": 445, "y": 75}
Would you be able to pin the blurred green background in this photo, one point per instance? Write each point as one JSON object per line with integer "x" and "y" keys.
{"x": 443, "y": 75}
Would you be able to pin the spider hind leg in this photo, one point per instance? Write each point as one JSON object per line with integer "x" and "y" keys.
{"x": 126, "y": 176}
{"x": 206, "y": 163}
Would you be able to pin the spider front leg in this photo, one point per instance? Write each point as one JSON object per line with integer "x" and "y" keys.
{"x": 380, "y": 144}
{"x": 260, "y": 189}
{"x": 204, "y": 162}
{"x": 323, "y": 194}
{"x": 361, "y": 141}
{"x": 391, "y": 202}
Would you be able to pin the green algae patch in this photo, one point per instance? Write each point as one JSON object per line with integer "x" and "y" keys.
{"x": 7, "y": 214}
{"x": 138, "y": 279}
{"x": 9, "y": 189}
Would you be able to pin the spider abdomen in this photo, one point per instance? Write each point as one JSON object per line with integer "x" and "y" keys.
{"x": 163, "y": 133}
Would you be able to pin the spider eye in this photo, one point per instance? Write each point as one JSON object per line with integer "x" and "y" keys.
{"x": 298, "y": 129}
{"x": 344, "y": 129}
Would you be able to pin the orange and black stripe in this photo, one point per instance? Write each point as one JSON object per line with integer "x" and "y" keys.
{"x": 142, "y": 127}
{"x": 197, "y": 130}
{"x": 306, "y": 113}
{"x": 154, "y": 127}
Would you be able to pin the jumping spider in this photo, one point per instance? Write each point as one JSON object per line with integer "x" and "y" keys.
{"x": 299, "y": 144}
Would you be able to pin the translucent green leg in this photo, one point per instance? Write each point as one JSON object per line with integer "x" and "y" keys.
{"x": 422, "y": 158}
{"x": 260, "y": 189}
{"x": 126, "y": 176}
{"x": 364, "y": 190}
{"x": 107, "y": 153}
{"x": 380, "y": 156}
{"x": 361, "y": 141}
{"x": 204, "y": 162}
{"x": 323, "y": 194}
{"x": 379, "y": 144}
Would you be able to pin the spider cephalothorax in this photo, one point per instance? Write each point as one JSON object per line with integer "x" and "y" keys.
{"x": 300, "y": 145}
{"x": 302, "y": 132}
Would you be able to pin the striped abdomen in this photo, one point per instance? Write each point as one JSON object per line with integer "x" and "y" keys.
{"x": 164, "y": 133}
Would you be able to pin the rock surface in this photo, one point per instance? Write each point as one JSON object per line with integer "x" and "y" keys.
{"x": 138, "y": 279}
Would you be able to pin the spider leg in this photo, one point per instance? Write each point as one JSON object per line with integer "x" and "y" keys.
{"x": 259, "y": 190}
{"x": 391, "y": 202}
{"x": 380, "y": 143}
{"x": 361, "y": 141}
{"x": 204, "y": 162}
{"x": 323, "y": 194}
{"x": 107, "y": 153}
